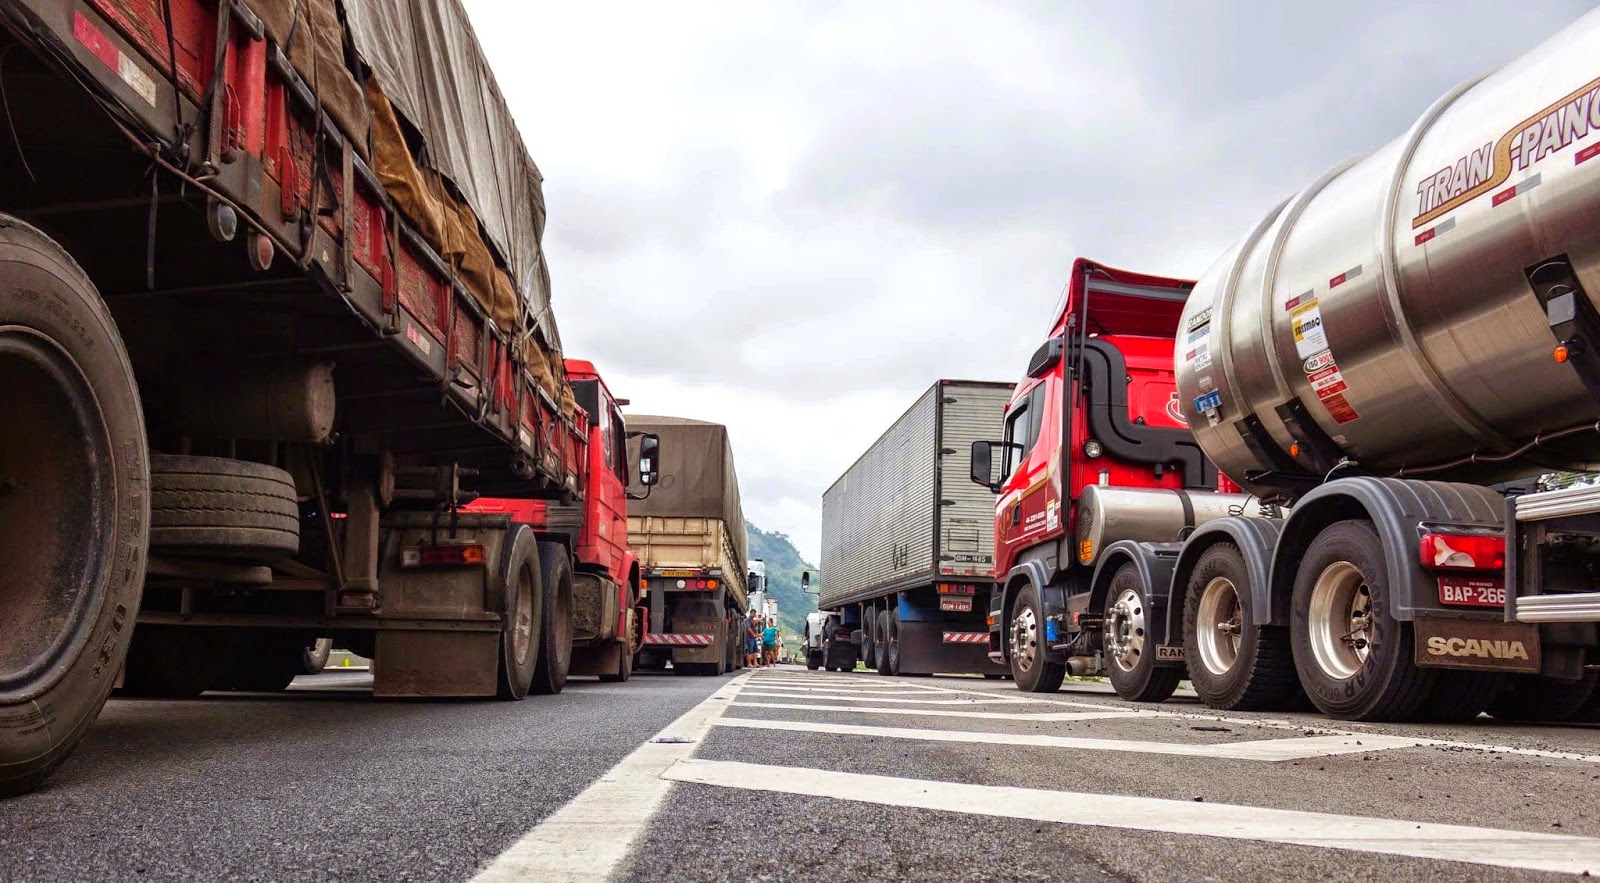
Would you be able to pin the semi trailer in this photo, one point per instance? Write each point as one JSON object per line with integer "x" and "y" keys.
{"x": 908, "y": 543}
{"x": 272, "y": 312}
{"x": 1300, "y": 474}
{"x": 593, "y": 624}
{"x": 689, "y": 537}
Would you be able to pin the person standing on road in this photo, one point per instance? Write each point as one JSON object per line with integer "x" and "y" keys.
{"x": 752, "y": 640}
{"x": 769, "y": 643}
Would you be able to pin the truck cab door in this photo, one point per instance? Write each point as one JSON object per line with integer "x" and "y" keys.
{"x": 1022, "y": 507}
{"x": 610, "y": 488}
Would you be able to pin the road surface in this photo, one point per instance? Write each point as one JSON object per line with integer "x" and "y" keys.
{"x": 792, "y": 775}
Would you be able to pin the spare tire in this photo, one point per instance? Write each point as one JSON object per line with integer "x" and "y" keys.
{"x": 215, "y": 507}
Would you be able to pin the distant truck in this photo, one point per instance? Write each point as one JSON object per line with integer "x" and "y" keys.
{"x": 908, "y": 543}
{"x": 690, "y": 540}
{"x": 761, "y": 603}
{"x": 591, "y": 577}
{"x": 826, "y": 641}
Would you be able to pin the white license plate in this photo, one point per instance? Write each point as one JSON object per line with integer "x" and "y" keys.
{"x": 956, "y": 605}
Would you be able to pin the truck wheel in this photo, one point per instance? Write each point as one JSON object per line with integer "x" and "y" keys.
{"x": 813, "y": 660}
{"x": 869, "y": 647}
{"x": 1544, "y": 699}
{"x": 1354, "y": 659}
{"x": 1031, "y": 667}
{"x": 883, "y": 643}
{"x": 74, "y": 505}
{"x": 222, "y": 508}
{"x": 893, "y": 663}
{"x": 315, "y": 657}
{"x": 555, "y": 639}
{"x": 1130, "y": 648}
{"x": 522, "y": 626}
{"x": 171, "y": 662}
{"x": 1233, "y": 665}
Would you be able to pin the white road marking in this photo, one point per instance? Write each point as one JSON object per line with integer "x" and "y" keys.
{"x": 1265, "y": 749}
{"x": 1523, "y": 850}
{"x": 1047, "y": 716}
{"x": 759, "y": 692}
{"x": 859, "y": 691}
{"x": 586, "y": 839}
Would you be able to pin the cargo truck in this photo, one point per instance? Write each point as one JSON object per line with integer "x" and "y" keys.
{"x": 274, "y": 307}
{"x": 689, "y": 537}
{"x": 1370, "y": 366}
{"x": 594, "y": 625}
{"x": 908, "y": 543}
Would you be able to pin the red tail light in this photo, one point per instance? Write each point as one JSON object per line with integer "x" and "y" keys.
{"x": 1460, "y": 551}
{"x": 453, "y": 555}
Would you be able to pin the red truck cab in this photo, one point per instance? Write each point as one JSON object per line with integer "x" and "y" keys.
{"x": 598, "y": 620}
{"x": 1097, "y": 407}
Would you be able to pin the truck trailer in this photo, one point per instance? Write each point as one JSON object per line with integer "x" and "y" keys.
{"x": 1373, "y": 368}
{"x": 689, "y": 537}
{"x": 594, "y": 624}
{"x": 274, "y": 309}
{"x": 908, "y": 543}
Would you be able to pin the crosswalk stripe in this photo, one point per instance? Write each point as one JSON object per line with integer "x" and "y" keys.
{"x": 1265, "y": 750}
{"x": 769, "y": 694}
{"x": 858, "y": 691}
{"x": 1522, "y": 850}
{"x": 1045, "y": 716}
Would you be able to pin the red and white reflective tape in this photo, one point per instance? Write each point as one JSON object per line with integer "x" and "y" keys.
{"x": 966, "y": 637}
{"x": 680, "y": 640}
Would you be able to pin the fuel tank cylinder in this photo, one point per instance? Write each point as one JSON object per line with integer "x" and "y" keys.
{"x": 1431, "y": 306}
{"x": 1152, "y": 515}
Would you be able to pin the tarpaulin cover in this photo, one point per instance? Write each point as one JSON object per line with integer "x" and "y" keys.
{"x": 697, "y": 475}
{"x": 427, "y": 62}
{"x": 315, "y": 46}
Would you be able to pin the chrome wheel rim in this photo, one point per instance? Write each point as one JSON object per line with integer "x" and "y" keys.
{"x": 1125, "y": 630}
{"x": 1340, "y": 620}
{"x": 1025, "y": 637}
{"x": 1219, "y": 625}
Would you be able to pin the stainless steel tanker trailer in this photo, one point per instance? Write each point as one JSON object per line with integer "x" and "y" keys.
{"x": 1378, "y": 362}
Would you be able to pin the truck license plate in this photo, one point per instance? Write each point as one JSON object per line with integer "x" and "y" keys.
{"x": 956, "y": 605}
{"x": 1472, "y": 591}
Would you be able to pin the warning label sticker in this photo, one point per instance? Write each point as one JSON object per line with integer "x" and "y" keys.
{"x": 1329, "y": 385}
{"x": 1309, "y": 336}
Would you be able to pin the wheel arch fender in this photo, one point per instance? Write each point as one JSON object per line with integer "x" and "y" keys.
{"x": 1025, "y": 574}
{"x": 1396, "y": 508}
{"x": 1255, "y": 538}
{"x": 1154, "y": 563}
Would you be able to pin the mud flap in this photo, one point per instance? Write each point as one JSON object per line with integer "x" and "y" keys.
{"x": 436, "y": 664}
{"x": 1477, "y": 645}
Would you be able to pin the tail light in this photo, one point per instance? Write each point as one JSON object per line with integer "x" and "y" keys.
{"x": 452, "y": 555}
{"x": 1463, "y": 551}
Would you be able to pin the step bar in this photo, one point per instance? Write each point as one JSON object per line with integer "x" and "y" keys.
{"x": 1574, "y": 607}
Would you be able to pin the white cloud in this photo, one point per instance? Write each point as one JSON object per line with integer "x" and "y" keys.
{"x": 793, "y": 217}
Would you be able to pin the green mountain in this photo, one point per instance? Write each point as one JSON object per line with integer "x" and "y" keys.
{"x": 784, "y": 565}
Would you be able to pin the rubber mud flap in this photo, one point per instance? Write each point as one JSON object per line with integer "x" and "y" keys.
{"x": 74, "y": 505}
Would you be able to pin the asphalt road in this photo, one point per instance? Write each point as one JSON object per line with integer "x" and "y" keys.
{"x": 324, "y": 783}
{"x": 794, "y": 775}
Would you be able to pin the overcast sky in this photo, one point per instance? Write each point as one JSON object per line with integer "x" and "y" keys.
{"x": 793, "y": 217}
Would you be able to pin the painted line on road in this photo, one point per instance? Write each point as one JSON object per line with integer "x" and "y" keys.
{"x": 587, "y": 839}
{"x": 1522, "y": 850}
{"x": 1045, "y": 716}
{"x": 1271, "y": 750}
{"x": 771, "y": 695}
{"x": 859, "y": 691}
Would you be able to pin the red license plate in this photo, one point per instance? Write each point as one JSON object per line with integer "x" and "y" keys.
{"x": 1472, "y": 591}
{"x": 956, "y": 605}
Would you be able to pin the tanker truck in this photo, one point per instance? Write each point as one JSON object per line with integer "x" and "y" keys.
{"x": 1299, "y": 475}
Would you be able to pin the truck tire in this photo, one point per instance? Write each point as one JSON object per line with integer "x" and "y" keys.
{"x": 216, "y": 507}
{"x": 1233, "y": 665}
{"x": 813, "y": 660}
{"x": 522, "y": 626}
{"x": 1354, "y": 659}
{"x": 1031, "y": 666}
{"x": 74, "y": 505}
{"x": 1543, "y": 699}
{"x": 315, "y": 657}
{"x": 893, "y": 647}
{"x": 555, "y": 639}
{"x": 1130, "y": 648}
{"x": 869, "y": 646}
{"x": 883, "y": 644}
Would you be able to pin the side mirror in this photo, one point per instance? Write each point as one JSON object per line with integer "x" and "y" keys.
{"x": 649, "y": 459}
{"x": 982, "y": 465}
{"x": 805, "y": 583}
